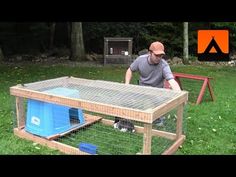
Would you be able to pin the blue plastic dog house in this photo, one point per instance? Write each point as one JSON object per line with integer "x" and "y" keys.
{"x": 47, "y": 119}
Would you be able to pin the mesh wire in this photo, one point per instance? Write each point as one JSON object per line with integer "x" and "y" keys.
{"x": 111, "y": 141}
{"x": 129, "y": 96}
{"x": 106, "y": 138}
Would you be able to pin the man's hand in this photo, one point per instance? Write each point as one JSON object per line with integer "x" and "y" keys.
{"x": 174, "y": 85}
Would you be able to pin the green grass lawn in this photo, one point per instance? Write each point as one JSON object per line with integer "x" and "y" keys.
{"x": 210, "y": 127}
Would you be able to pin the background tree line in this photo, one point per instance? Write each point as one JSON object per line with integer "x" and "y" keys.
{"x": 35, "y": 38}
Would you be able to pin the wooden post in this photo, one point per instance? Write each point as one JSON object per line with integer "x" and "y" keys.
{"x": 20, "y": 112}
{"x": 147, "y": 139}
{"x": 179, "y": 121}
{"x": 106, "y": 50}
{"x": 199, "y": 99}
{"x": 210, "y": 90}
{"x": 1, "y": 55}
{"x": 178, "y": 81}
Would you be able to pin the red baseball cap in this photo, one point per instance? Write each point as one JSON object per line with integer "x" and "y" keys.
{"x": 157, "y": 48}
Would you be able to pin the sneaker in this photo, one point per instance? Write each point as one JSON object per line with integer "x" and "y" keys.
{"x": 159, "y": 122}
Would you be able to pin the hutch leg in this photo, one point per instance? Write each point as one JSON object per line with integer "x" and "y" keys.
{"x": 20, "y": 113}
{"x": 147, "y": 138}
{"x": 179, "y": 121}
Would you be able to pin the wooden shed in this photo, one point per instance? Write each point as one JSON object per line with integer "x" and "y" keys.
{"x": 117, "y": 50}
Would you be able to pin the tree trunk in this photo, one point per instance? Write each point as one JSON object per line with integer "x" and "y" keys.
{"x": 52, "y": 34}
{"x": 1, "y": 55}
{"x": 77, "y": 43}
{"x": 185, "y": 50}
{"x": 69, "y": 34}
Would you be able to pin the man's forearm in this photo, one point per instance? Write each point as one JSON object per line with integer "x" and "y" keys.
{"x": 128, "y": 76}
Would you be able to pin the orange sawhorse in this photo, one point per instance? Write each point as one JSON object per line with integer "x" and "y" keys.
{"x": 205, "y": 79}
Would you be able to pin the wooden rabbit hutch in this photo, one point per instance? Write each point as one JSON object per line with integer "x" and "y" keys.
{"x": 132, "y": 102}
{"x": 117, "y": 50}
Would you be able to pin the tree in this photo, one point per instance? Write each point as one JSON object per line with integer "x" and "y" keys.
{"x": 1, "y": 55}
{"x": 52, "y": 34}
{"x": 77, "y": 43}
{"x": 185, "y": 48}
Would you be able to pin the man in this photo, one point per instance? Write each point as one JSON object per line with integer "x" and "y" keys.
{"x": 153, "y": 70}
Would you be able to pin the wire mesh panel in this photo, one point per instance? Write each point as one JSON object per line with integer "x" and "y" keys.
{"x": 82, "y": 113}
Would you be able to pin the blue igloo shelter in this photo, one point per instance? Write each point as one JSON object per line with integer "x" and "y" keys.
{"x": 47, "y": 119}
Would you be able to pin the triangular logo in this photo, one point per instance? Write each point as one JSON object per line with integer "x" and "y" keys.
{"x": 213, "y": 45}
{"x": 213, "y": 50}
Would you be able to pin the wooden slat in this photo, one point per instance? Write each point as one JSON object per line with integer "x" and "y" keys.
{"x": 118, "y": 39}
{"x": 210, "y": 90}
{"x": 139, "y": 129}
{"x": 202, "y": 91}
{"x": 147, "y": 139}
{"x": 174, "y": 147}
{"x": 190, "y": 76}
{"x": 89, "y": 120}
{"x": 51, "y": 144}
{"x": 179, "y": 120}
{"x": 20, "y": 112}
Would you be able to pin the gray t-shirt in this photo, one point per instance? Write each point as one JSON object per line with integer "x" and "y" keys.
{"x": 151, "y": 74}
